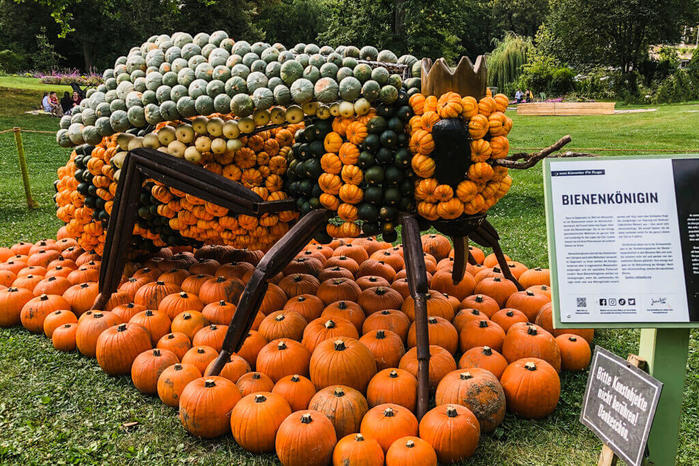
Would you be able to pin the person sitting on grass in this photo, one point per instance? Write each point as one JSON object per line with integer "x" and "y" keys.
{"x": 54, "y": 104}
{"x": 76, "y": 99}
{"x": 46, "y": 103}
{"x": 66, "y": 103}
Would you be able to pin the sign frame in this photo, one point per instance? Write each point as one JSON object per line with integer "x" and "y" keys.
{"x": 601, "y": 352}
{"x": 551, "y": 243}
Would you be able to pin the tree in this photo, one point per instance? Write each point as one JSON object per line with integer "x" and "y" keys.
{"x": 292, "y": 21}
{"x": 616, "y": 32}
{"x": 523, "y": 17}
{"x": 424, "y": 28}
{"x": 506, "y": 60}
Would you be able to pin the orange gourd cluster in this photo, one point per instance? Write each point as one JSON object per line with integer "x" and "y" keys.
{"x": 71, "y": 209}
{"x": 485, "y": 184}
{"x": 341, "y": 175}
{"x": 328, "y": 371}
{"x": 259, "y": 165}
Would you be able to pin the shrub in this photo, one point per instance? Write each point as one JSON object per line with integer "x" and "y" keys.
{"x": 678, "y": 87}
{"x": 70, "y": 77}
{"x": 11, "y": 62}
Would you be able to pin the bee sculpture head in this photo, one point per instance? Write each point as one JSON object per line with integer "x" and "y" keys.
{"x": 466, "y": 79}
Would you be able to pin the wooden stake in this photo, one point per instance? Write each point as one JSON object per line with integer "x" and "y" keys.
{"x": 31, "y": 203}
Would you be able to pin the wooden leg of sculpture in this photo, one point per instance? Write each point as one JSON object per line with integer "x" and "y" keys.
{"x": 417, "y": 282}
{"x": 271, "y": 264}
{"x": 487, "y": 236}
{"x": 119, "y": 232}
{"x": 461, "y": 256}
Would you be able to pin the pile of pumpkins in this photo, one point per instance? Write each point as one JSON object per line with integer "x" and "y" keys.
{"x": 328, "y": 372}
{"x": 169, "y": 78}
{"x": 87, "y": 184}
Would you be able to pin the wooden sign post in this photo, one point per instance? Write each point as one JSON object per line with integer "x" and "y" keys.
{"x": 623, "y": 254}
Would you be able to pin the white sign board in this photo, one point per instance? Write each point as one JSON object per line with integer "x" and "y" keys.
{"x": 624, "y": 240}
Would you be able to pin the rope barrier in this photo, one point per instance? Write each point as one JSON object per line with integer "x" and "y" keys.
{"x": 27, "y": 131}
{"x": 597, "y": 149}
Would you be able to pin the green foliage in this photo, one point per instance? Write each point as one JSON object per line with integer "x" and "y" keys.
{"x": 292, "y": 21}
{"x": 522, "y": 17}
{"x": 506, "y": 60}
{"x": 11, "y": 62}
{"x": 616, "y": 32}
{"x": 544, "y": 73}
{"x": 45, "y": 58}
{"x": 678, "y": 87}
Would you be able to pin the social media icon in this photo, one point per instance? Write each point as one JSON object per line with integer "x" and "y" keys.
{"x": 603, "y": 301}
{"x": 632, "y": 301}
{"x": 612, "y": 301}
{"x": 622, "y": 301}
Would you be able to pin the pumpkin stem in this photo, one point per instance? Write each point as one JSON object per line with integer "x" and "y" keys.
{"x": 388, "y": 412}
{"x": 220, "y": 279}
{"x": 156, "y": 352}
{"x": 281, "y": 345}
{"x": 358, "y": 438}
{"x": 260, "y": 398}
{"x": 301, "y": 299}
{"x": 183, "y": 294}
{"x": 44, "y": 297}
{"x": 530, "y": 366}
{"x": 487, "y": 350}
{"x": 380, "y": 334}
{"x": 221, "y": 303}
{"x": 298, "y": 278}
{"x": 208, "y": 383}
{"x": 279, "y": 317}
{"x": 531, "y": 330}
{"x": 97, "y": 315}
{"x": 256, "y": 375}
{"x": 342, "y": 305}
{"x": 572, "y": 339}
{"x": 306, "y": 418}
{"x": 340, "y": 345}
{"x": 476, "y": 312}
{"x": 295, "y": 378}
{"x": 52, "y": 279}
{"x": 451, "y": 411}
{"x": 121, "y": 328}
{"x": 431, "y": 320}
{"x": 410, "y": 444}
{"x": 509, "y": 313}
{"x": 201, "y": 350}
{"x": 339, "y": 391}
{"x": 530, "y": 293}
{"x": 479, "y": 298}
{"x": 385, "y": 312}
{"x": 160, "y": 283}
{"x": 170, "y": 336}
{"x": 393, "y": 374}
{"x": 186, "y": 316}
{"x": 483, "y": 323}
{"x": 465, "y": 376}
{"x": 149, "y": 312}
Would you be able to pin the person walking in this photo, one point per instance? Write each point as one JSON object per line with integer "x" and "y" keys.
{"x": 518, "y": 96}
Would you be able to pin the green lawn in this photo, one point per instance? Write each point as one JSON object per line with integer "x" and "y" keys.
{"x": 61, "y": 408}
{"x": 35, "y": 84}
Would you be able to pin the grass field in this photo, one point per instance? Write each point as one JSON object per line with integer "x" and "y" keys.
{"x": 61, "y": 408}
{"x": 27, "y": 83}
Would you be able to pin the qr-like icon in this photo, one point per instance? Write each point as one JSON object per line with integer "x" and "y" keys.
{"x": 612, "y": 301}
{"x": 582, "y": 302}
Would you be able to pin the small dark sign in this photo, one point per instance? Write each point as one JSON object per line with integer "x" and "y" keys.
{"x": 619, "y": 404}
